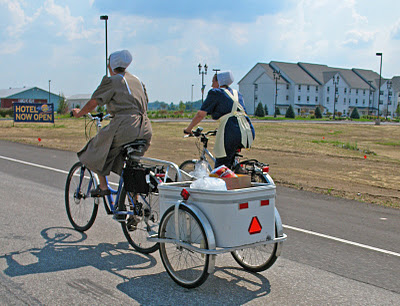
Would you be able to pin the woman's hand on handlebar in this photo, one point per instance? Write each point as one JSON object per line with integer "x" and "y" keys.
{"x": 74, "y": 112}
{"x": 188, "y": 133}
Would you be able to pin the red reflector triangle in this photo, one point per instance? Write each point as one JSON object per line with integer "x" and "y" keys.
{"x": 255, "y": 226}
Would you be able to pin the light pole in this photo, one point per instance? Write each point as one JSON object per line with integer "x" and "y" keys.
{"x": 105, "y": 18}
{"x": 380, "y": 79}
{"x": 389, "y": 87}
{"x": 335, "y": 82}
{"x": 277, "y": 76}
{"x": 192, "y": 92}
{"x": 49, "y": 91}
{"x": 202, "y": 72}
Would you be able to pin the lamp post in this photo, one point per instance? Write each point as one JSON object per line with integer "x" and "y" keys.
{"x": 389, "y": 87}
{"x": 192, "y": 92}
{"x": 380, "y": 79}
{"x": 277, "y": 76}
{"x": 202, "y": 72}
{"x": 49, "y": 91}
{"x": 335, "y": 82}
{"x": 105, "y": 18}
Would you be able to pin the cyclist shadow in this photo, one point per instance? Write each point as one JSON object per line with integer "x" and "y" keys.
{"x": 227, "y": 285}
{"x": 64, "y": 251}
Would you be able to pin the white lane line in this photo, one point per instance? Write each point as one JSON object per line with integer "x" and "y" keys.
{"x": 286, "y": 226}
{"x": 41, "y": 166}
{"x": 342, "y": 240}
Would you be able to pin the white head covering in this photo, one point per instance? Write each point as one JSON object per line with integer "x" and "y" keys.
{"x": 120, "y": 59}
{"x": 225, "y": 78}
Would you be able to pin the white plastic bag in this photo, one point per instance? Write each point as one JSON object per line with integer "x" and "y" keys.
{"x": 200, "y": 170}
{"x": 209, "y": 183}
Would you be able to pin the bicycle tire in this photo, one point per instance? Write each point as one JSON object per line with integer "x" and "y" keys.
{"x": 144, "y": 223}
{"x": 262, "y": 257}
{"x": 187, "y": 268}
{"x": 81, "y": 207}
{"x": 188, "y": 165}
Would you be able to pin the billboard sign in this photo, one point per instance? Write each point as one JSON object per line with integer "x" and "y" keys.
{"x": 33, "y": 112}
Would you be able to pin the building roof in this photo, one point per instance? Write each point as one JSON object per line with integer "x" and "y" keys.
{"x": 368, "y": 75}
{"x": 295, "y": 73}
{"x": 80, "y": 97}
{"x": 396, "y": 83}
{"x": 270, "y": 72}
{"x": 322, "y": 74}
{"x": 5, "y": 93}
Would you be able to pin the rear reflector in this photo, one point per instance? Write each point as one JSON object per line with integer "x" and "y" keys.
{"x": 255, "y": 226}
{"x": 265, "y": 169}
{"x": 243, "y": 205}
{"x": 264, "y": 202}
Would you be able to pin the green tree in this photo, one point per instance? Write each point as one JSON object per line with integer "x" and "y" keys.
{"x": 101, "y": 109}
{"x": 182, "y": 106}
{"x": 398, "y": 110}
{"x": 277, "y": 111}
{"x": 355, "y": 114}
{"x": 259, "y": 110}
{"x": 290, "y": 112}
{"x": 265, "y": 109}
{"x": 62, "y": 105}
{"x": 318, "y": 113}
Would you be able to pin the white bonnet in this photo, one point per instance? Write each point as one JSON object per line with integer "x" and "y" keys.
{"x": 225, "y": 78}
{"x": 120, "y": 59}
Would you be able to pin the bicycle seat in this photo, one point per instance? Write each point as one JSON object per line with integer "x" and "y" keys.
{"x": 135, "y": 147}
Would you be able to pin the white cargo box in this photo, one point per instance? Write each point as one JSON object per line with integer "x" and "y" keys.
{"x": 237, "y": 217}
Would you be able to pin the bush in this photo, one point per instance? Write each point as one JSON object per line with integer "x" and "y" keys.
{"x": 290, "y": 112}
{"x": 265, "y": 109}
{"x": 318, "y": 114}
{"x": 277, "y": 111}
{"x": 62, "y": 105}
{"x": 355, "y": 114}
{"x": 4, "y": 112}
{"x": 259, "y": 110}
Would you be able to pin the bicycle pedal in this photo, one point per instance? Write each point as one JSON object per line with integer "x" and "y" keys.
{"x": 119, "y": 217}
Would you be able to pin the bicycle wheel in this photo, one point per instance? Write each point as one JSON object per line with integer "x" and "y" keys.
{"x": 188, "y": 165}
{"x": 257, "y": 259}
{"x": 187, "y": 268}
{"x": 144, "y": 222}
{"x": 81, "y": 207}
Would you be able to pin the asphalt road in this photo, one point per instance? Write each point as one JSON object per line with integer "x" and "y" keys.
{"x": 337, "y": 252}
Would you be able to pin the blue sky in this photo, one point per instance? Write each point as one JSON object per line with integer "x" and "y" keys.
{"x": 63, "y": 41}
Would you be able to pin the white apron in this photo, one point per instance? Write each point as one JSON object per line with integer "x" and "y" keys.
{"x": 239, "y": 113}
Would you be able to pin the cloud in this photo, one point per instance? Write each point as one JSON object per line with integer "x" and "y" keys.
{"x": 359, "y": 38}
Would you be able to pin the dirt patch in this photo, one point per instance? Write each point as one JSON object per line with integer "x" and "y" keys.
{"x": 352, "y": 161}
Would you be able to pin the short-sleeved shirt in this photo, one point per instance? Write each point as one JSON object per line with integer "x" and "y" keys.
{"x": 218, "y": 103}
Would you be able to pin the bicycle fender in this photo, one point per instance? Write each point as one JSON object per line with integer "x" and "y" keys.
{"x": 207, "y": 228}
{"x": 279, "y": 231}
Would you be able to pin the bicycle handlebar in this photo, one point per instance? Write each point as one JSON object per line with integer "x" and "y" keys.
{"x": 199, "y": 133}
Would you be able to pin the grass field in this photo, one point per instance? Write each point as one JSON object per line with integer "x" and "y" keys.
{"x": 353, "y": 161}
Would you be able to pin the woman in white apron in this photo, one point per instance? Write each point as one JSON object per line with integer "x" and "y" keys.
{"x": 235, "y": 129}
{"x": 126, "y": 100}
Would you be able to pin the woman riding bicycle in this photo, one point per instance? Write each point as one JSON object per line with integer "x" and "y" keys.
{"x": 235, "y": 130}
{"x": 126, "y": 100}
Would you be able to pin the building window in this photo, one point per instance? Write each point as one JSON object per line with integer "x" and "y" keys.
{"x": 390, "y": 93}
{"x": 308, "y": 99}
{"x": 380, "y": 102}
{"x": 255, "y": 98}
{"x": 344, "y": 100}
{"x": 380, "y": 92}
{"x": 298, "y": 98}
{"x": 356, "y": 101}
{"x": 308, "y": 88}
{"x": 349, "y": 101}
{"x": 287, "y": 98}
{"x": 327, "y": 89}
{"x": 255, "y": 87}
{"x": 363, "y": 101}
{"x": 327, "y": 100}
{"x": 287, "y": 86}
{"x": 364, "y": 92}
{"x": 349, "y": 90}
{"x": 299, "y": 87}
{"x": 356, "y": 91}
{"x": 345, "y": 90}
{"x": 316, "y": 99}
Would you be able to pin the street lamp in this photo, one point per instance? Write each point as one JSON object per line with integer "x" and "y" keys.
{"x": 380, "y": 79}
{"x": 49, "y": 91}
{"x": 105, "y": 18}
{"x": 277, "y": 76}
{"x": 389, "y": 86}
{"x": 202, "y": 72}
{"x": 335, "y": 82}
{"x": 192, "y": 92}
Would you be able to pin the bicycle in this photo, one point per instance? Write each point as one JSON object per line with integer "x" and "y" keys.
{"x": 257, "y": 170}
{"x": 136, "y": 203}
